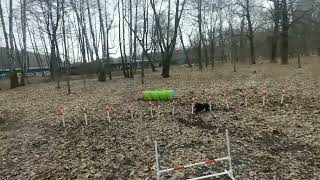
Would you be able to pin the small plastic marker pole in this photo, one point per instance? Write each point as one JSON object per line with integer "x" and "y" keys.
{"x": 85, "y": 119}
{"x": 151, "y": 109}
{"x": 108, "y": 113}
{"x": 158, "y": 111}
{"x": 61, "y": 112}
{"x": 157, "y": 160}
{"x": 210, "y": 104}
{"x": 264, "y": 95}
{"x": 245, "y": 99}
{"x": 84, "y": 109}
{"x": 131, "y": 110}
{"x": 229, "y": 152}
{"x": 173, "y": 107}
{"x": 226, "y": 101}
{"x": 282, "y": 96}
{"x": 192, "y": 104}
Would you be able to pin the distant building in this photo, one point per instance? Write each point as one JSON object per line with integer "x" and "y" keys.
{"x": 35, "y": 66}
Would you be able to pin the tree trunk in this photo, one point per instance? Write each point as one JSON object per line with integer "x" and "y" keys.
{"x": 285, "y": 34}
{"x": 251, "y": 33}
{"x": 5, "y": 35}
{"x": 66, "y": 57}
{"x": 135, "y": 37}
{"x": 200, "y": 34}
{"x": 102, "y": 71}
{"x": 186, "y": 52}
{"x": 274, "y": 40}
{"x": 24, "y": 37}
{"x": 299, "y": 60}
{"x": 13, "y": 76}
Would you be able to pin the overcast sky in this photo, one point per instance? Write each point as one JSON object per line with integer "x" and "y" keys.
{"x": 189, "y": 26}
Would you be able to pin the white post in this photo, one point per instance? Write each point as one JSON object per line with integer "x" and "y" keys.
{"x": 192, "y": 104}
{"x": 131, "y": 111}
{"x": 159, "y": 111}
{"x": 63, "y": 122}
{"x": 226, "y": 101}
{"x": 245, "y": 99}
{"x": 264, "y": 96}
{"x": 108, "y": 115}
{"x": 85, "y": 118}
{"x": 61, "y": 112}
{"x": 173, "y": 107}
{"x": 210, "y": 104}
{"x": 157, "y": 161}
{"x": 229, "y": 152}
{"x": 151, "y": 109}
{"x": 282, "y": 96}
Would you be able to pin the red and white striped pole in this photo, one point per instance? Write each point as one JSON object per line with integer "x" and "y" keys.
{"x": 207, "y": 162}
{"x": 61, "y": 112}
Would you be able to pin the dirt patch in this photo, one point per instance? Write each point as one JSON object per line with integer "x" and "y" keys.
{"x": 266, "y": 142}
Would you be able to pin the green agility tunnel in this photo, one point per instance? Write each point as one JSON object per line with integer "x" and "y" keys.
{"x": 159, "y": 95}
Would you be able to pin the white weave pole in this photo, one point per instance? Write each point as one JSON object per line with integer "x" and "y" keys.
{"x": 229, "y": 152}
{"x": 157, "y": 161}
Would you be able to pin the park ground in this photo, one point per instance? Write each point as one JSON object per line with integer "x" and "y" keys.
{"x": 277, "y": 141}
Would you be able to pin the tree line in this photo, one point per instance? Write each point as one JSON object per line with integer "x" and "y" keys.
{"x": 207, "y": 31}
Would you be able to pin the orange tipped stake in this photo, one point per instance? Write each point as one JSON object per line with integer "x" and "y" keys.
{"x": 84, "y": 110}
{"x": 226, "y": 100}
{"x": 131, "y": 110}
{"x": 245, "y": 99}
{"x": 61, "y": 113}
{"x": 192, "y": 105}
{"x": 282, "y": 95}
{"x": 151, "y": 109}
{"x": 159, "y": 111}
{"x": 210, "y": 104}
{"x": 264, "y": 96}
{"x": 173, "y": 107}
{"x": 108, "y": 113}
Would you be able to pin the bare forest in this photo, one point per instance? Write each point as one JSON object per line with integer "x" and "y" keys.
{"x": 242, "y": 81}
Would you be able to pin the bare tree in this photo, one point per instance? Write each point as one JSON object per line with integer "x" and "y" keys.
{"x": 200, "y": 33}
{"x": 186, "y": 51}
{"x": 24, "y": 37}
{"x": 276, "y": 16}
{"x": 246, "y": 5}
{"x": 167, "y": 49}
{"x": 284, "y": 33}
{"x": 13, "y": 78}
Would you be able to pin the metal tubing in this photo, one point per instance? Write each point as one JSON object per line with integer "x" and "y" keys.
{"x": 196, "y": 164}
{"x": 230, "y": 175}
{"x": 157, "y": 161}
{"x": 209, "y": 176}
{"x": 229, "y": 152}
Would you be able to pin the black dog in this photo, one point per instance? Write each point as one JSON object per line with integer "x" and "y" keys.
{"x": 198, "y": 107}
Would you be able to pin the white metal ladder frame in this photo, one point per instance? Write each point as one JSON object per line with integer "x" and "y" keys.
{"x": 177, "y": 168}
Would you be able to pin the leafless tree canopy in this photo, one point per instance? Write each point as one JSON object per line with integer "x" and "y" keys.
{"x": 139, "y": 34}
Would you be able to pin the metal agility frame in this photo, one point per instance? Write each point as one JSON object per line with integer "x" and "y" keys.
{"x": 177, "y": 168}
